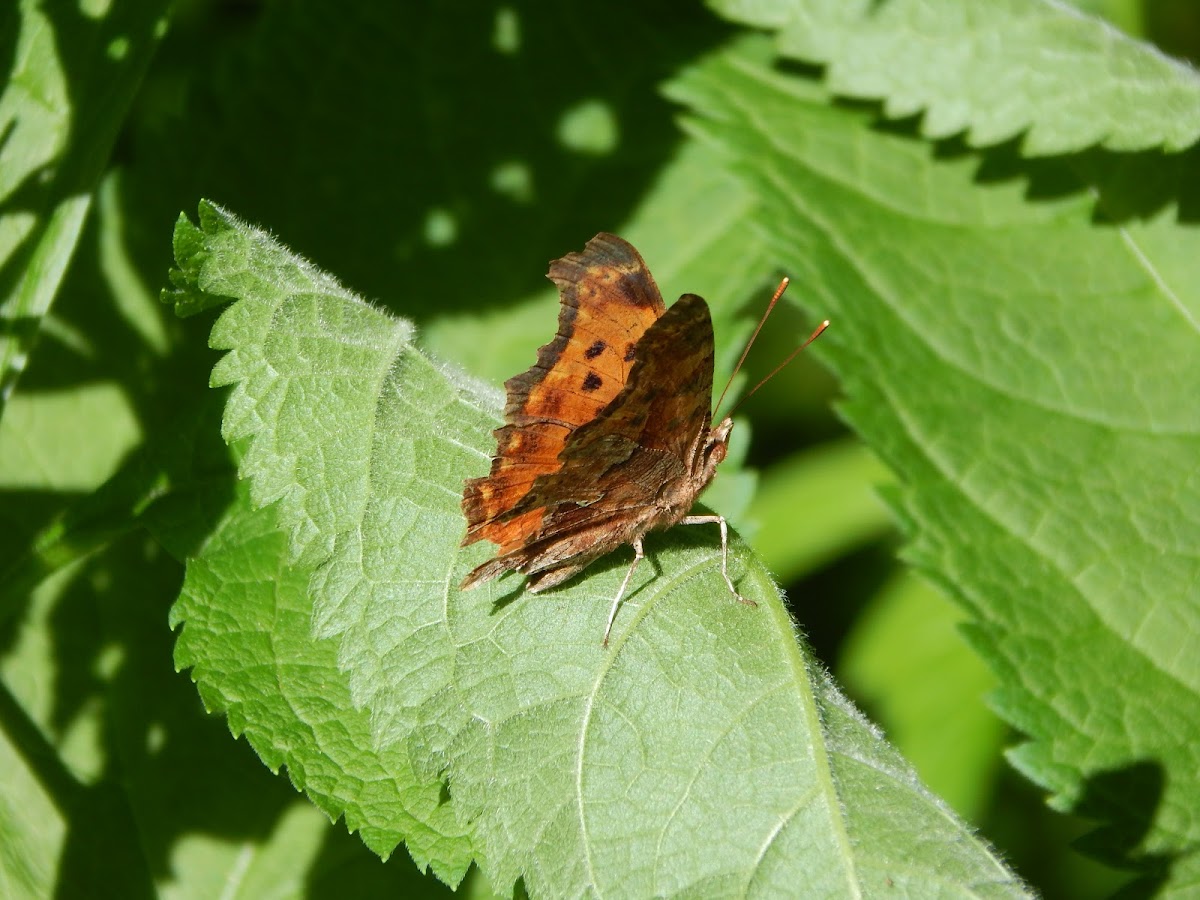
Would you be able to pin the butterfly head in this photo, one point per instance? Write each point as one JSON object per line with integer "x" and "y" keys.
{"x": 715, "y": 448}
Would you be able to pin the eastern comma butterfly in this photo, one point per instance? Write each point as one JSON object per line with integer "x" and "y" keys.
{"x": 609, "y": 435}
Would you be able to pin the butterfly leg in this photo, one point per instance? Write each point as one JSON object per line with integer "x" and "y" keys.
{"x": 719, "y": 520}
{"x": 612, "y": 613}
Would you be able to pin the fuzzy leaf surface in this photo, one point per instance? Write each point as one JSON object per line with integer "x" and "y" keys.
{"x": 704, "y": 751}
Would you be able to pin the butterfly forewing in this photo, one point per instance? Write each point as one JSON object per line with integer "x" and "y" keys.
{"x": 665, "y": 404}
{"x": 632, "y": 468}
{"x": 608, "y": 301}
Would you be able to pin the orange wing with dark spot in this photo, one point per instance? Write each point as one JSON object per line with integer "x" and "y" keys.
{"x": 637, "y": 466}
{"x": 608, "y": 300}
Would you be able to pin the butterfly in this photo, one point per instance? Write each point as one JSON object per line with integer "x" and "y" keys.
{"x": 609, "y": 435}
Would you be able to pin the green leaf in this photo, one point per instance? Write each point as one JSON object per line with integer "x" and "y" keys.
{"x": 56, "y": 753}
{"x": 1038, "y": 69}
{"x": 247, "y": 637}
{"x": 1022, "y": 363}
{"x": 92, "y": 792}
{"x": 703, "y": 752}
{"x": 446, "y": 200}
{"x": 59, "y": 113}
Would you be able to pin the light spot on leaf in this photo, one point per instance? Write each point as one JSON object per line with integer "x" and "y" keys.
{"x": 589, "y": 127}
{"x": 118, "y": 48}
{"x": 108, "y": 661}
{"x": 506, "y": 34}
{"x": 94, "y": 9}
{"x": 156, "y": 738}
{"x": 441, "y": 228}
{"x": 514, "y": 180}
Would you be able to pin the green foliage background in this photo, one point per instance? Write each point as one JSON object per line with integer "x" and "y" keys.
{"x": 998, "y": 210}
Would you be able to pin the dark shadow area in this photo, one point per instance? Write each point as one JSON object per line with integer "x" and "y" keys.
{"x": 1045, "y": 178}
{"x": 1126, "y": 800}
{"x": 403, "y": 148}
{"x": 22, "y": 515}
{"x": 344, "y": 868}
{"x": 183, "y": 469}
{"x": 1140, "y": 186}
{"x": 197, "y": 486}
{"x": 164, "y": 768}
{"x": 842, "y": 588}
{"x": 514, "y": 584}
{"x": 98, "y": 810}
{"x": 165, "y": 386}
{"x": 1174, "y": 25}
{"x": 10, "y": 30}
{"x": 1036, "y": 840}
{"x": 619, "y": 559}
{"x": 1126, "y": 187}
{"x": 798, "y": 68}
{"x": 793, "y": 410}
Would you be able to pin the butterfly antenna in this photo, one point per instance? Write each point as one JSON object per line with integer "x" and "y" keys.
{"x": 750, "y": 343}
{"x": 814, "y": 336}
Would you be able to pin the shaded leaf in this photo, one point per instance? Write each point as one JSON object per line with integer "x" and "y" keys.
{"x": 73, "y": 78}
